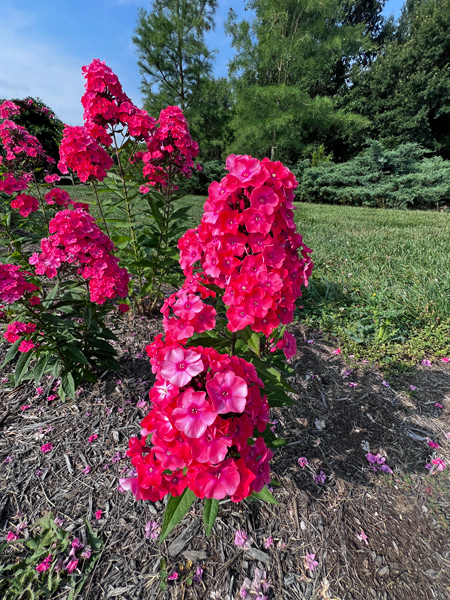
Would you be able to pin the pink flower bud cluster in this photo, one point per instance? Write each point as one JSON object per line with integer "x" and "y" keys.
{"x": 81, "y": 152}
{"x": 26, "y": 204}
{"x": 190, "y": 314}
{"x": 247, "y": 244}
{"x": 77, "y": 240}
{"x": 13, "y": 284}
{"x": 8, "y": 109}
{"x": 171, "y": 144}
{"x": 206, "y": 407}
{"x": 105, "y": 103}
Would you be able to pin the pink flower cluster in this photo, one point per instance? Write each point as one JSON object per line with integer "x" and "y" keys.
{"x": 171, "y": 145}
{"x": 13, "y": 284}
{"x": 190, "y": 314}
{"x": 105, "y": 103}
{"x": 247, "y": 244}
{"x": 62, "y": 198}
{"x": 18, "y": 143}
{"x": 206, "y": 408}
{"x": 77, "y": 240}
{"x": 26, "y": 204}
{"x": 10, "y": 182}
{"x": 8, "y": 108}
{"x": 17, "y": 329}
{"x": 82, "y": 153}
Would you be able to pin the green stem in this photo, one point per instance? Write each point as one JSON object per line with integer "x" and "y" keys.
{"x": 100, "y": 209}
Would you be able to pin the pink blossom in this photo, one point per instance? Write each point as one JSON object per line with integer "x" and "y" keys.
{"x": 98, "y": 515}
{"x": 337, "y": 351}
{"x": 173, "y": 577}
{"x": 228, "y": 392}
{"x": 268, "y": 542}
{"x": 180, "y": 366}
{"x": 302, "y": 461}
{"x": 432, "y": 444}
{"x": 242, "y": 540}
{"x": 51, "y": 398}
{"x": 72, "y": 565}
{"x": 39, "y": 391}
{"x": 152, "y": 530}
{"x": 437, "y": 405}
{"x": 12, "y": 536}
{"x": 320, "y": 478}
{"x": 8, "y": 459}
{"x": 426, "y": 363}
{"x": 445, "y": 359}
{"x": 123, "y": 308}
{"x": 25, "y": 407}
{"x": 46, "y": 448}
{"x": 311, "y": 564}
{"x": 362, "y": 537}
{"x": 290, "y": 348}
{"x": 87, "y": 469}
{"x": 193, "y": 413}
{"x": 141, "y": 404}
{"x": 386, "y": 384}
{"x": 412, "y": 388}
{"x": 352, "y": 384}
{"x": 45, "y": 564}
{"x": 92, "y": 438}
{"x": 447, "y": 435}
{"x": 198, "y": 575}
{"x": 439, "y": 463}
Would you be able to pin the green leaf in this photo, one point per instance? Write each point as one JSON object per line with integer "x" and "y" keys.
{"x": 265, "y": 496}
{"x": 251, "y": 338}
{"x": 22, "y": 366}
{"x": 176, "y": 509}
{"x": 209, "y": 342}
{"x": 210, "y": 511}
{"x": 39, "y": 368}
{"x": 68, "y": 385}
{"x": 75, "y": 354}
{"x": 270, "y": 373}
{"x": 11, "y": 352}
{"x": 279, "y": 398}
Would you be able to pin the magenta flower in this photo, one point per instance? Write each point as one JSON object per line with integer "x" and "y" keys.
{"x": 218, "y": 481}
{"x": 437, "y": 405}
{"x": 445, "y": 359}
{"x": 141, "y": 404}
{"x": 46, "y": 448}
{"x": 385, "y": 383}
{"x": 180, "y": 366}
{"x": 87, "y": 469}
{"x": 193, "y": 414}
{"x": 45, "y": 564}
{"x": 98, "y": 515}
{"x": 12, "y": 536}
{"x": 242, "y": 540}
{"x": 173, "y": 577}
{"x": 426, "y": 363}
{"x": 311, "y": 564}
{"x": 51, "y": 398}
{"x": 412, "y": 388}
{"x": 337, "y": 351}
{"x": 72, "y": 565}
{"x": 352, "y": 384}
{"x": 362, "y": 537}
{"x": 86, "y": 553}
{"x": 39, "y": 391}
{"x": 8, "y": 459}
{"x": 302, "y": 461}
{"x": 432, "y": 444}
{"x": 310, "y": 342}
{"x": 320, "y": 478}
{"x": 25, "y": 407}
{"x": 151, "y": 530}
{"x": 92, "y": 438}
{"x": 228, "y": 392}
{"x": 268, "y": 542}
{"x": 439, "y": 463}
{"x": 198, "y": 575}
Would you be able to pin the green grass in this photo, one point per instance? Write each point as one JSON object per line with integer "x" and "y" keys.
{"x": 381, "y": 279}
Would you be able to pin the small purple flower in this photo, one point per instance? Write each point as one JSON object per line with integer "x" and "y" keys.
{"x": 86, "y": 470}
{"x": 141, "y": 404}
{"x": 151, "y": 530}
{"x": 352, "y": 384}
{"x": 311, "y": 564}
{"x": 242, "y": 540}
{"x": 302, "y": 461}
{"x": 437, "y": 405}
{"x": 320, "y": 478}
{"x": 310, "y": 342}
{"x": 8, "y": 459}
{"x": 385, "y": 383}
{"x": 198, "y": 575}
{"x": 412, "y": 388}
{"x": 268, "y": 542}
{"x": 362, "y": 537}
{"x": 426, "y": 363}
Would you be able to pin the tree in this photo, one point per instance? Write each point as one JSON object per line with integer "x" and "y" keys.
{"x": 406, "y": 91}
{"x": 285, "y": 59}
{"x": 173, "y": 57}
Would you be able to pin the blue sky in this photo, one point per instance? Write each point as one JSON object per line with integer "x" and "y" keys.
{"x": 44, "y": 44}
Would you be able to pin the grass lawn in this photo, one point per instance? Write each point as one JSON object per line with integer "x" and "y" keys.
{"x": 381, "y": 280}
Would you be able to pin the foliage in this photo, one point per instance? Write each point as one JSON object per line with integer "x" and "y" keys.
{"x": 400, "y": 178}
{"x": 173, "y": 57}
{"x": 54, "y": 327}
{"x": 39, "y": 120}
{"x": 223, "y": 332}
{"x": 406, "y": 91}
{"x": 281, "y": 70}
{"x": 200, "y": 181}
{"x": 36, "y": 567}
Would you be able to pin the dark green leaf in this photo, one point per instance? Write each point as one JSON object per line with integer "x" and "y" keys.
{"x": 11, "y": 352}
{"x": 74, "y": 354}
{"x": 68, "y": 385}
{"x": 210, "y": 511}
{"x": 175, "y": 511}
{"x": 265, "y": 496}
{"x": 22, "y": 366}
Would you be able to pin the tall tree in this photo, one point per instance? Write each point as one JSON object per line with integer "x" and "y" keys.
{"x": 406, "y": 92}
{"x": 284, "y": 60}
{"x": 173, "y": 56}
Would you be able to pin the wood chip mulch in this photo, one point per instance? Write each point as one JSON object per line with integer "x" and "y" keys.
{"x": 405, "y": 516}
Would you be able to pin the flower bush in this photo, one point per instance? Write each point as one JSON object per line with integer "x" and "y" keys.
{"x": 206, "y": 434}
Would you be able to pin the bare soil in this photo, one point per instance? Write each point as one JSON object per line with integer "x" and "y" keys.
{"x": 405, "y": 515}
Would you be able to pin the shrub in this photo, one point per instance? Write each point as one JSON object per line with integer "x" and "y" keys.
{"x": 208, "y": 425}
{"x": 400, "y": 178}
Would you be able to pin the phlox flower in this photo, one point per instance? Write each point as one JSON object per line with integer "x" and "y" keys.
{"x": 198, "y": 575}
{"x": 386, "y": 384}
{"x": 98, "y": 515}
{"x": 173, "y": 577}
{"x": 193, "y": 413}
{"x": 412, "y": 388}
{"x": 302, "y": 461}
{"x": 432, "y": 444}
{"x": 290, "y": 347}
{"x": 228, "y": 392}
{"x": 320, "y": 478}
{"x": 87, "y": 469}
{"x": 268, "y": 542}
{"x": 26, "y": 346}
{"x": 92, "y": 438}
{"x": 362, "y": 537}
{"x": 337, "y": 351}
{"x": 311, "y": 564}
{"x": 439, "y": 463}
{"x": 445, "y": 359}
{"x": 152, "y": 530}
{"x": 46, "y": 448}
{"x": 123, "y": 308}
{"x": 242, "y": 540}
{"x": 12, "y": 536}
{"x": 426, "y": 363}
{"x": 438, "y": 405}
{"x": 71, "y": 565}
{"x": 218, "y": 481}
{"x": 45, "y": 564}
{"x": 180, "y": 366}
{"x": 352, "y": 384}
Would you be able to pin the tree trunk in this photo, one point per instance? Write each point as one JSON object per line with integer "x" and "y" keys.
{"x": 272, "y": 148}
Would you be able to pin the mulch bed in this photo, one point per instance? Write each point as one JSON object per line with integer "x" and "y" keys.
{"x": 405, "y": 515}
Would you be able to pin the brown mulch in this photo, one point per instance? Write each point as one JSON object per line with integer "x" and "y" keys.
{"x": 405, "y": 515}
